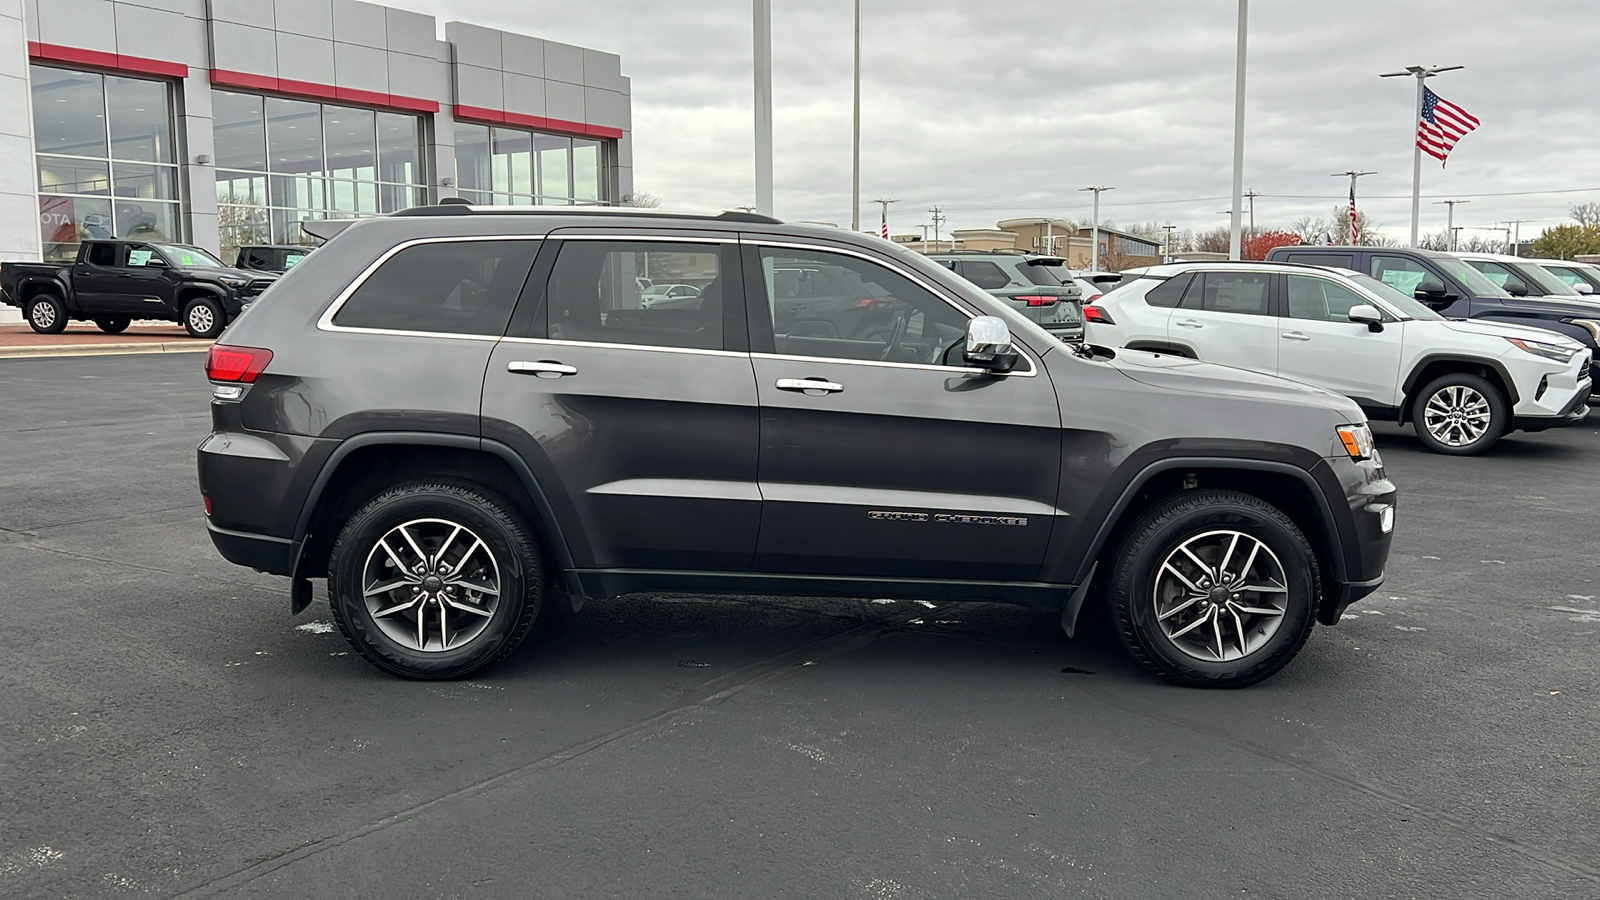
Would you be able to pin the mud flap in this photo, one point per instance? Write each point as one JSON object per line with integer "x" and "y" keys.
{"x": 299, "y": 588}
{"x": 1074, "y": 604}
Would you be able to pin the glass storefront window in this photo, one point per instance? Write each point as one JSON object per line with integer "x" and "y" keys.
{"x": 507, "y": 166}
{"x": 281, "y": 162}
{"x": 103, "y": 176}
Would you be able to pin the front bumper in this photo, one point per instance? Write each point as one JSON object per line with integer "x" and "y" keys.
{"x": 1575, "y": 411}
{"x": 1365, "y": 526}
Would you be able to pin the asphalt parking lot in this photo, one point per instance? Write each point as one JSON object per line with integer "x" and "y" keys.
{"x": 169, "y": 730}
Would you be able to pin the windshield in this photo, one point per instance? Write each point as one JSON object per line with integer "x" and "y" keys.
{"x": 976, "y": 296}
{"x": 1405, "y": 304}
{"x": 291, "y": 259}
{"x": 1474, "y": 281}
{"x": 190, "y": 257}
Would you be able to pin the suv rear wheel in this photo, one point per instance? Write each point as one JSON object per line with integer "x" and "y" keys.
{"x": 1459, "y": 414}
{"x": 435, "y": 580}
{"x": 1214, "y": 589}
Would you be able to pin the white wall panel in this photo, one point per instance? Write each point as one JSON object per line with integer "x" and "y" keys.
{"x": 305, "y": 58}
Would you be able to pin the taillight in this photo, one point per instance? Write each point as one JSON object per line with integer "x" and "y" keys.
{"x": 1038, "y": 300}
{"x": 207, "y": 502}
{"x": 1093, "y": 313}
{"x": 236, "y": 364}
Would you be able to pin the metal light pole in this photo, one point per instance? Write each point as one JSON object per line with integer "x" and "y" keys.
{"x": 1094, "y": 230}
{"x": 1238, "y": 135}
{"x": 1353, "y": 176}
{"x": 761, "y": 15}
{"x": 937, "y": 218}
{"x": 884, "y": 227}
{"x": 855, "y": 135}
{"x": 1422, "y": 73}
{"x": 1166, "y": 247}
{"x": 1450, "y": 219}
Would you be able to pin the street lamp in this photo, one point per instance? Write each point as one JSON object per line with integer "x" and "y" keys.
{"x": 761, "y": 20}
{"x": 1238, "y": 135}
{"x": 1094, "y": 231}
{"x": 1450, "y": 219}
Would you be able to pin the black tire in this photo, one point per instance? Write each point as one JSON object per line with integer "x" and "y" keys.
{"x": 46, "y": 314}
{"x": 1498, "y": 408}
{"x": 504, "y": 533}
{"x": 112, "y": 326}
{"x": 1133, "y": 587}
{"x": 204, "y": 318}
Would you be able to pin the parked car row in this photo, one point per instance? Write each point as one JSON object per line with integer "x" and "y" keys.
{"x": 1413, "y": 336}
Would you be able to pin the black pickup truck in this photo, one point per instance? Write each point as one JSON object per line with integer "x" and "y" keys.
{"x": 278, "y": 258}
{"x": 114, "y": 282}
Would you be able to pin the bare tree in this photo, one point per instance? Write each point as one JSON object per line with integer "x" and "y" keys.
{"x": 1212, "y": 240}
{"x": 1587, "y": 214}
{"x": 642, "y": 200}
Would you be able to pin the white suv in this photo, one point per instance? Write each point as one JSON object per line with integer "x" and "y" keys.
{"x": 1463, "y": 384}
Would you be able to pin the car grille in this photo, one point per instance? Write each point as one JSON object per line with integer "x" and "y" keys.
{"x": 254, "y": 288}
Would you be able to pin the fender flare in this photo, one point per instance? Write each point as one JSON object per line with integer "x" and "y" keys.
{"x": 1410, "y": 383}
{"x": 186, "y": 291}
{"x": 1337, "y": 564}
{"x": 51, "y": 284}
{"x": 543, "y": 513}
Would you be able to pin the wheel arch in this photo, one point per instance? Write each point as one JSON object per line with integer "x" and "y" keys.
{"x": 1293, "y": 490}
{"x": 363, "y": 466}
{"x": 189, "y": 293}
{"x": 1436, "y": 364}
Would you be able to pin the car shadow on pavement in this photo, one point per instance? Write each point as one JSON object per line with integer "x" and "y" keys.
{"x": 1517, "y": 445}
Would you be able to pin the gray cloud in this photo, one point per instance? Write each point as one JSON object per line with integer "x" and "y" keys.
{"x": 1007, "y": 108}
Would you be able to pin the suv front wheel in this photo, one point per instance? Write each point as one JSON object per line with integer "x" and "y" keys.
{"x": 435, "y": 580}
{"x": 1459, "y": 414}
{"x": 1214, "y": 589}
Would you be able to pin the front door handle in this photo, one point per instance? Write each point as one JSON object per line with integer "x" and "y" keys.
{"x": 814, "y": 387}
{"x": 1188, "y": 323}
{"x": 1296, "y": 336}
{"x": 544, "y": 368}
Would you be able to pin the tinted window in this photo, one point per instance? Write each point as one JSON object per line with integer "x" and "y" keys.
{"x": 1493, "y": 271}
{"x": 1043, "y": 274}
{"x": 1338, "y": 260}
{"x": 450, "y": 287}
{"x": 1399, "y": 273}
{"x": 1167, "y": 294}
{"x": 986, "y": 275}
{"x": 1229, "y": 292}
{"x": 1320, "y": 299}
{"x": 595, "y": 294}
{"x": 841, "y": 307}
{"x": 103, "y": 254}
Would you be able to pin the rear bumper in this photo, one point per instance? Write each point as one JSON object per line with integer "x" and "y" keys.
{"x": 273, "y": 555}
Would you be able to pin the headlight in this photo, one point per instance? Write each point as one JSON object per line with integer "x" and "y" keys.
{"x": 1357, "y": 440}
{"x": 1548, "y": 351}
{"x": 1589, "y": 325}
{"x": 236, "y": 282}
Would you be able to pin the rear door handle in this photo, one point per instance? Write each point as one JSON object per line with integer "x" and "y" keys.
{"x": 814, "y": 387}
{"x": 544, "y": 368}
{"x": 1296, "y": 336}
{"x": 1188, "y": 323}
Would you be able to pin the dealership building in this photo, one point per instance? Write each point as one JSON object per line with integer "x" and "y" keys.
{"x": 229, "y": 122}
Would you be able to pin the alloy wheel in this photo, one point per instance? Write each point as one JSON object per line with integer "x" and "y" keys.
{"x": 431, "y": 585}
{"x": 1220, "y": 595}
{"x": 1457, "y": 415}
{"x": 200, "y": 318}
{"x": 43, "y": 314}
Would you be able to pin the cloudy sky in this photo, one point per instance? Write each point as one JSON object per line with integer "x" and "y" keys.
{"x": 1004, "y": 109}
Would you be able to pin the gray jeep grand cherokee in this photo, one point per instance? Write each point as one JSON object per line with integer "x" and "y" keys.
{"x": 458, "y": 415}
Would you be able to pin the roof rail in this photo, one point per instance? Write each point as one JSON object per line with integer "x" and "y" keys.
{"x": 456, "y": 206}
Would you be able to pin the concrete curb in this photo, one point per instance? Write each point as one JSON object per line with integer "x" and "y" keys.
{"x": 104, "y": 349}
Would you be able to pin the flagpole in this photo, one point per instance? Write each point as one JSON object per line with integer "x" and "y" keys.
{"x": 1238, "y": 136}
{"x": 1422, "y": 73}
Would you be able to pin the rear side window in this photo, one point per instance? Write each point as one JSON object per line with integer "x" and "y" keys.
{"x": 595, "y": 295}
{"x": 446, "y": 287}
{"x": 1229, "y": 292}
{"x": 1042, "y": 274}
{"x": 986, "y": 275}
{"x": 1337, "y": 260}
{"x": 1167, "y": 294}
{"x": 103, "y": 254}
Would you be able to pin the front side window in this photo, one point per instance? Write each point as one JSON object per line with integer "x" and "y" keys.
{"x": 834, "y": 306}
{"x": 1400, "y": 273}
{"x": 601, "y": 291}
{"x": 143, "y": 256}
{"x": 1493, "y": 271}
{"x": 1322, "y": 300}
{"x": 106, "y": 161}
{"x": 1243, "y": 293}
{"x": 446, "y": 287}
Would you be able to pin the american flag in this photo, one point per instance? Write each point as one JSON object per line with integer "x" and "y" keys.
{"x": 1355, "y": 230}
{"x": 886, "y": 224}
{"x": 1442, "y": 124}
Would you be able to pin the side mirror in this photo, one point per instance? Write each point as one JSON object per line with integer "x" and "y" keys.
{"x": 1367, "y": 315}
{"x": 1515, "y": 286}
{"x": 1428, "y": 287}
{"x": 1583, "y": 287}
{"x": 989, "y": 345}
